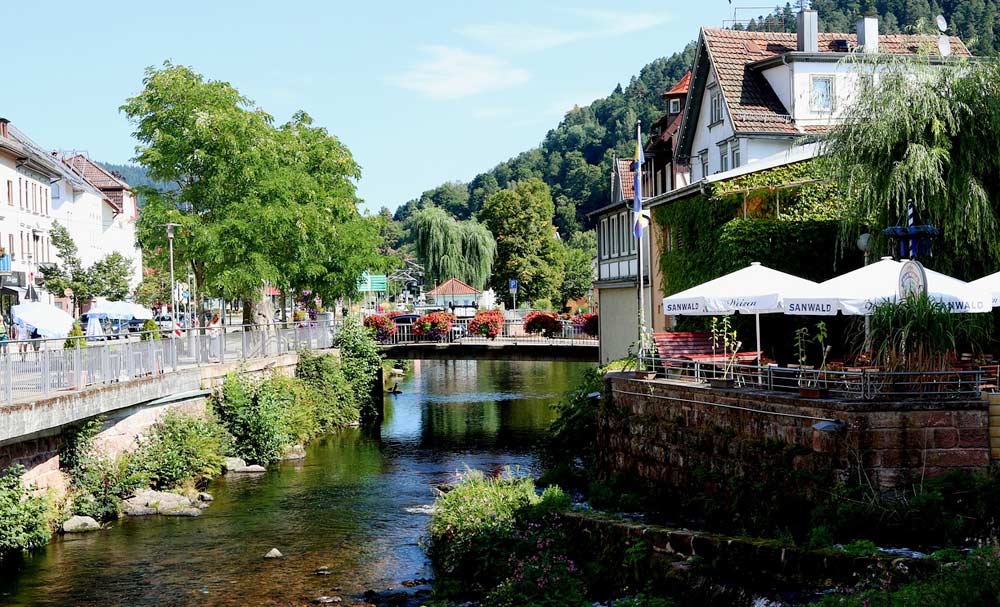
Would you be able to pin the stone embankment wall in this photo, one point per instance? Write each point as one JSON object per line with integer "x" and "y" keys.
{"x": 673, "y": 432}
{"x": 33, "y": 433}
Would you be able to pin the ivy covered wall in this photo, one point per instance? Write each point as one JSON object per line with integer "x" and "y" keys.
{"x": 785, "y": 218}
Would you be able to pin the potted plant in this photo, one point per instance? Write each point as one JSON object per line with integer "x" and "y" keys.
{"x": 812, "y": 383}
{"x": 486, "y": 323}
{"x": 723, "y": 334}
{"x": 546, "y": 323}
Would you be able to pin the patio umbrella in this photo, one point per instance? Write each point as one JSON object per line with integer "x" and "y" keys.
{"x": 755, "y": 289}
{"x": 856, "y": 293}
{"x": 94, "y": 328}
{"x": 991, "y": 284}
{"x": 120, "y": 310}
{"x": 48, "y": 320}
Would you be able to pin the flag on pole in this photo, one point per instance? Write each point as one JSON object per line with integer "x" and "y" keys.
{"x": 637, "y": 205}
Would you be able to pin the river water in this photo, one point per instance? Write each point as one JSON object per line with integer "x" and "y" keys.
{"x": 357, "y": 504}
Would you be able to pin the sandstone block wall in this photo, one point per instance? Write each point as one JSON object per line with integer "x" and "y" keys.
{"x": 663, "y": 431}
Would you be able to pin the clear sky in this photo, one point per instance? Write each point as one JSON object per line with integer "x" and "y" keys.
{"x": 421, "y": 91}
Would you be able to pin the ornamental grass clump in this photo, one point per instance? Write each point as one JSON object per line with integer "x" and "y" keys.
{"x": 435, "y": 326}
{"x": 486, "y": 323}
{"x": 921, "y": 334}
{"x": 382, "y": 325}
{"x": 546, "y": 323}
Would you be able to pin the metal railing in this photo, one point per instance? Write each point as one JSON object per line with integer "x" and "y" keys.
{"x": 849, "y": 384}
{"x": 43, "y": 367}
{"x": 512, "y": 332}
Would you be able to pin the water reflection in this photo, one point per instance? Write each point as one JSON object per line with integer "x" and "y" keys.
{"x": 355, "y": 504}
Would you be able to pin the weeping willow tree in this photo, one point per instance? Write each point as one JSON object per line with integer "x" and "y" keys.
{"x": 448, "y": 248}
{"x": 927, "y": 133}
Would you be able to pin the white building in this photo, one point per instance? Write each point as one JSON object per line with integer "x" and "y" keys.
{"x": 100, "y": 213}
{"x": 25, "y": 215}
{"x": 36, "y": 188}
{"x": 753, "y": 94}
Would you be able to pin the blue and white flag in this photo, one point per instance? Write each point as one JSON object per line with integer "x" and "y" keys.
{"x": 637, "y": 205}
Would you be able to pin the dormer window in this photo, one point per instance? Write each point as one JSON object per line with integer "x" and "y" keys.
{"x": 821, "y": 94}
{"x": 675, "y": 106}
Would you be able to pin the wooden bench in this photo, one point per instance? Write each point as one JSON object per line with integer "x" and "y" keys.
{"x": 692, "y": 346}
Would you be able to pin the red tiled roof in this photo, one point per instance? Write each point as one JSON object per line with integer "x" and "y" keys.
{"x": 753, "y": 105}
{"x": 681, "y": 88}
{"x": 626, "y": 177}
{"x": 95, "y": 173}
{"x": 453, "y": 286}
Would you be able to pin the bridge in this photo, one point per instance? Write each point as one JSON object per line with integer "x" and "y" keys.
{"x": 512, "y": 343}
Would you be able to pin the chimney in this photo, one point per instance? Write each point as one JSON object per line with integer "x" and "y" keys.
{"x": 3, "y": 128}
{"x": 808, "y": 31}
{"x": 868, "y": 34}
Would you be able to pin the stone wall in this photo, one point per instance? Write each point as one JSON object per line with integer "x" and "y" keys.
{"x": 673, "y": 432}
{"x": 32, "y": 433}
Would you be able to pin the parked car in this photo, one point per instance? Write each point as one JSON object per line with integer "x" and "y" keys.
{"x": 405, "y": 319}
{"x": 165, "y": 322}
{"x": 135, "y": 325}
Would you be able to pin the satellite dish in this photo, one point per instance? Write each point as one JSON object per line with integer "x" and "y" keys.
{"x": 944, "y": 46}
{"x": 942, "y": 23}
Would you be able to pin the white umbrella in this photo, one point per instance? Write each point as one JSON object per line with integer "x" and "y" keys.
{"x": 857, "y": 293}
{"x": 94, "y": 328}
{"x": 121, "y": 310}
{"x": 755, "y": 290}
{"x": 991, "y": 284}
{"x": 48, "y": 320}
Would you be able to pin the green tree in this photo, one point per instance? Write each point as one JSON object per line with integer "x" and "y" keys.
{"x": 527, "y": 247}
{"x": 110, "y": 276}
{"x": 448, "y": 248}
{"x": 257, "y": 205}
{"x": 933, "y": 140}
{"x": 579, "y": 251}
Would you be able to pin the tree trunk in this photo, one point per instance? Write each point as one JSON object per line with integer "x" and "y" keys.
{"x": 259, "y": 312}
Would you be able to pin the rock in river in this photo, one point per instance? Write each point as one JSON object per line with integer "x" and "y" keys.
{"x": 148, "y": 502}
{"x": 274, "y": 554}
{"x": 253, "y": 469}
{"x": 80, "y": 524}
{"x": 294, "y": 452}
{"x": 233, "y": 462}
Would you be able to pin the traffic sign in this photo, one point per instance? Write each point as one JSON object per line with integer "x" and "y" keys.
{"x": 513, "y": 285}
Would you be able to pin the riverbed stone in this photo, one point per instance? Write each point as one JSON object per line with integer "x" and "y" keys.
{"x": 205, "y": 497}
{"x": 231, "y": 463}
{"x": 147, "y": 502}
{"x": 80, "y": 524}
{"x": 274, "y": 554}
{"x": 327, "y": 599}
{"x": 294, "y": 452}
{"x": 252, "y": 469}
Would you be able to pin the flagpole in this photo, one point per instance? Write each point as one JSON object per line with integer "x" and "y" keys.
{"x": 637, "y": 232}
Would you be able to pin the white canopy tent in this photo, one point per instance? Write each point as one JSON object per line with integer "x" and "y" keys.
{"x": 856, "y": 293}
{"x": 755, "y": 289}
{"x": 120, "y": 310}
{"x": 991, "y": 284}
{"x": 48, "y": 320}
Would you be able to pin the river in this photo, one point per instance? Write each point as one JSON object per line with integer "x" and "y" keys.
{"x": 357, "y": 504}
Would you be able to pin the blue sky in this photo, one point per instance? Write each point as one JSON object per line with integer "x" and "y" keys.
{"x": 422, "y": 92}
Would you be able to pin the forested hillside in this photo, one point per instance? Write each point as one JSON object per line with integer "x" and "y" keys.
{"x": 574, "y": 158}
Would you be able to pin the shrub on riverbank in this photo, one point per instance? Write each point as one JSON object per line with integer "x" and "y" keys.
{"x": 336, "y": 402}
{"x": 99, "y": 483}
{"x": 360, "y": 361}
{"x": 254, "y": 415}
{"x": 970, "y": 582}
{"x": 23, "y": 516}
{"x": 182, "y": 448}
{"x": 489, "y": 536}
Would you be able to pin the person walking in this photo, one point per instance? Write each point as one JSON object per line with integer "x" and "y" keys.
{"x": 214, "y": 335}
{"x": 21, "y": 334}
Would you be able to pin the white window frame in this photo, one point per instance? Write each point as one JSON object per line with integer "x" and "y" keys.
{"x": 675, "y": 106}
{"x": 604, "y": 238}
{"x": 631, "y": 232}
{"x": 55, "y": 191}
{"x": 614, "y": 236}
{"x": 814, "y": 98}
{"x": 716, "y": 114}
{"x": 703, "y": 157}
{"x": 623, "y": 233}
{"x": 734, "y": 154}
{"x": 723, "y": 157}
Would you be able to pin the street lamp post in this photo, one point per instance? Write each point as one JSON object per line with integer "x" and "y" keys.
{"x": 864, "y": 244}
{"x": 173, "y": 285}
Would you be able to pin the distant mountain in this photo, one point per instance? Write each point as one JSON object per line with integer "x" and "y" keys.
{"x": 136, "y": 176}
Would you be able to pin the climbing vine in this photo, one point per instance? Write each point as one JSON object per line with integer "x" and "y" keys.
{"x": 784, "y": 217}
